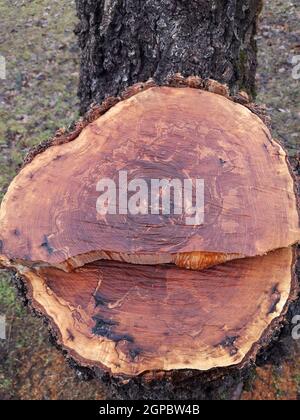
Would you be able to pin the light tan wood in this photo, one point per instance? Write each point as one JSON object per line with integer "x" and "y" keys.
{"x": 130, "y": 319}
{"x": 49, "y": 213}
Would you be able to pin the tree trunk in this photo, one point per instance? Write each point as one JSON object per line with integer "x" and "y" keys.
{"x": 128, "y": 41}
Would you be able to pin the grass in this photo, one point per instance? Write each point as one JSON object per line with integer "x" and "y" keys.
{"x": 39, "y": 94}
{"x": 278, "y": 43}
{"x": 37, "y": 97}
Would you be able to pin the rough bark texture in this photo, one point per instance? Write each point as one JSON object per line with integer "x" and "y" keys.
{"x": 126, "y": 41}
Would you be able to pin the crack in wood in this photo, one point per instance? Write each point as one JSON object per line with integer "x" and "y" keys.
{"x": 229, "y": 343}
{"x": 70, "y": 335}
{"x": 134, "y": 353}
{"x": 100, "y": 300}
{"x": 276, "y": 297}
{"x": 104, "y": 328}
{"x": 47, "y": 245}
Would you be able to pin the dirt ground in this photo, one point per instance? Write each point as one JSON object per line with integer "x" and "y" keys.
{"x": 39, "y": 96}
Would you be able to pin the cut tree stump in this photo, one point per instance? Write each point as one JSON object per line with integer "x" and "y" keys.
{"x": 49, "y": 215}
{"x": 109, "y": 286}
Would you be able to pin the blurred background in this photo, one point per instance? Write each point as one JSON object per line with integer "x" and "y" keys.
{"x": 38, "y": 96}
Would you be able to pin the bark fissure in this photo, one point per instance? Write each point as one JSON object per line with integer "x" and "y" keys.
{"x": 126, "y": 41}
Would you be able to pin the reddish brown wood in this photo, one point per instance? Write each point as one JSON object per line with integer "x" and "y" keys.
{"x": 129, "y": 319}
{"x": 49, "y": 213}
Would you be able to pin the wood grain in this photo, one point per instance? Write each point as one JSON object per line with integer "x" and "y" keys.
{"x": 49, "y": 213}
{"x": 129, "y": 319}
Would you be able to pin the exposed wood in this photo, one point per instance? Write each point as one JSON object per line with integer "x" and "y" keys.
{"x": 161, "y": 132}
{"x": 130, "y": 319}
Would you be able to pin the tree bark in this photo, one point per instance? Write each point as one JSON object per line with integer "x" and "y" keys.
{"x": 127, "y": 41}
